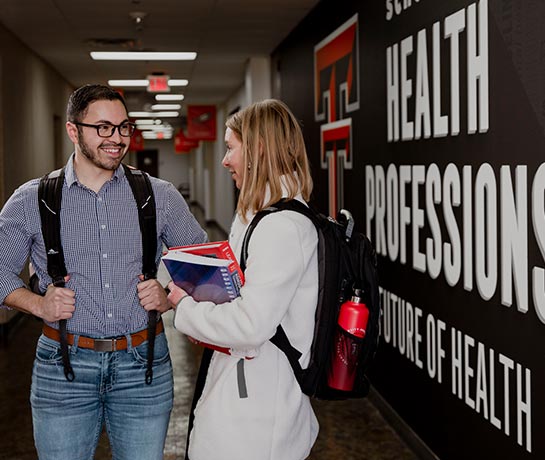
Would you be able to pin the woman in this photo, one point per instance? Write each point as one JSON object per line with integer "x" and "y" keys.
{"x": 254, "y": 408}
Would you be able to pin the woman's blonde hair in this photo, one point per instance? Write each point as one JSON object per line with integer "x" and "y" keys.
{"x": 274, "y": 151}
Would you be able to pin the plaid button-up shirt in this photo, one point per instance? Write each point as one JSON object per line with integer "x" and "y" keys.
{"x": 102, "y": 246}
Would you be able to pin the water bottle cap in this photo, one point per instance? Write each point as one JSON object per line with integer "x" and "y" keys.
{"x": 356, "y": 297}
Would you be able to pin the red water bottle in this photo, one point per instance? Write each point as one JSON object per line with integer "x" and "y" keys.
{"x": 352, "y": 322}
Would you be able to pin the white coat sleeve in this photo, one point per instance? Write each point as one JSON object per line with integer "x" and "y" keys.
{"x": 275, "y": 266}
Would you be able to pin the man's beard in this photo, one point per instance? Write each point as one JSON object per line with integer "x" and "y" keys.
{"x": 109, "y": 164}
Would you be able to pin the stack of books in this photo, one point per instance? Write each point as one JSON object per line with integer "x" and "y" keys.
{"x": 207, "y": 272}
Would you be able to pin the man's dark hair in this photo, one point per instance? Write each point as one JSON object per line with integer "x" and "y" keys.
{"x": 79, "y": 101}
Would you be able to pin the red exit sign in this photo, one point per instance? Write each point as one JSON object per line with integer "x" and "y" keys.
{"x": 158, "y": 84}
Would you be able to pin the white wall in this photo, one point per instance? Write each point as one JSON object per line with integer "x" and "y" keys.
{"x": 32, "y": 94}
{"x": 258, "y": 79}
{"x": 223, "y": 197}
{"x": 256, "y": 87}
{"x": 198, "y": 167}
{"x": 173, "y": 167}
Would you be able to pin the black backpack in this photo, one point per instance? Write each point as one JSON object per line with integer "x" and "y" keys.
{"x": 50, "y": 198}
{"x": 346, "y": 261}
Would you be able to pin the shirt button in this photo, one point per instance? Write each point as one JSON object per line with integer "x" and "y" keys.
{"x": 99, "y": 198}
{"x": 109, "y": 315}
{"x": 103, "y": 227}
{"x": 107, "y": 285}
{"x": 104, "y": 256}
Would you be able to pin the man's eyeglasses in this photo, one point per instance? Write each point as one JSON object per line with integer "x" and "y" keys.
{"x": 107, "y": 130}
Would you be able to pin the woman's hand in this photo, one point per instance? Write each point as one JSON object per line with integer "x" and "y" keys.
{"x": 176, "y": 294}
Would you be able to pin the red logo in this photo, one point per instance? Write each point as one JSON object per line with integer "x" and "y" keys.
{"x": 201, "y": 122}
{"x": 336, "y": 94}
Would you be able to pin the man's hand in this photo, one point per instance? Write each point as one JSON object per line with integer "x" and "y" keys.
{"x": 152, "y": 295}
{"x": 57, "y": 303}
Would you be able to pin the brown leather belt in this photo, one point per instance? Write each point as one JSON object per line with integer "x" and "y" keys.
{"x": 103, "y": 345}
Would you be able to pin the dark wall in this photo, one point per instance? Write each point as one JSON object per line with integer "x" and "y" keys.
{"x": 453, "y": 200}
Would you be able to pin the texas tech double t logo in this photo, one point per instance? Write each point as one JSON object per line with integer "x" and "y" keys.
{"x": 336, "y": 94}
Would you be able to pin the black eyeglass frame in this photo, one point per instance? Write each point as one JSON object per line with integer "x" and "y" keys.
{"x": 114, "y": 127}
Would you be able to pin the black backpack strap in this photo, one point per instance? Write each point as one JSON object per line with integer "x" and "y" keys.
{"x": 253, "y": 224}
{"x": 292, "y": 205}
{"x": 145, "y": 201}
{"x": 280, "y": 339}
{"x": 50, "y": 197}
{"x": 49, "y": 201}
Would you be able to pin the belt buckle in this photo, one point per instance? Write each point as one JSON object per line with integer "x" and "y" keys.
{"x": 105, "y": 345}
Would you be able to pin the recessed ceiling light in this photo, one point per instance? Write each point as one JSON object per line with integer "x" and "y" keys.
{"x": 166, "y": 107}
{"x": 179, "y": 82}
{"x": 142, "y": 56}
{"x": 128, "y": 82}
{"x": 145, "y": 82}
{"x": 169, "y": 97}
{"x": 154, "y": 114}
{"x": 156, "y": 135}
{"x": 164, "y": 128}
{"x": 148, "y": 121}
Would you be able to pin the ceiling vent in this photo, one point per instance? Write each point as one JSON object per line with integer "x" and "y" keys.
{"x": 123, "y": 43}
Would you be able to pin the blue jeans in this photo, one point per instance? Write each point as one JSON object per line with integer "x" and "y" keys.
{"x": 109, "y": 388}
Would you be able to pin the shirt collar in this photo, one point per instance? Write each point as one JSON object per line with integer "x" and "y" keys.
{"x": 283, "y": 182}
{"x": 71, "y": 177}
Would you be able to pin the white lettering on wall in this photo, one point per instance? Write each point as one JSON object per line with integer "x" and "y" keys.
{"x": 490, "y": 383}
{"x": 456, "y": 223}
{"x": 466, "y": 27}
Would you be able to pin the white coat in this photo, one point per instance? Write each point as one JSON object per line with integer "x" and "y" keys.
{"x": 275, "y": 421}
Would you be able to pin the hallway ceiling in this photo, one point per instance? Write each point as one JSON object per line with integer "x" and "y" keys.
{"x": 224, "y": 33}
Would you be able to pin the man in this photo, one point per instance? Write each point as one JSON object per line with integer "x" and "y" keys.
{"x": 104, "y": 296}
